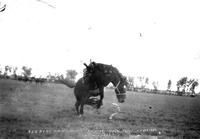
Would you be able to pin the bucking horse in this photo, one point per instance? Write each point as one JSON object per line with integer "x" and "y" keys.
{"x": 95, "y": 78}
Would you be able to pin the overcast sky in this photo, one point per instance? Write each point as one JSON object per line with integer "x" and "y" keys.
{"x": 154, "y": 38}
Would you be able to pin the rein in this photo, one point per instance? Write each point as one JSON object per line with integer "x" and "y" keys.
{"x": 116, "y": 87}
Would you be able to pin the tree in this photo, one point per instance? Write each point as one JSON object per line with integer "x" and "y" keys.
{"x": 26, "y": 71}
{"x": 7, "y": 69}
{"x": 15, "y": 70}
{"x": 130, "y": 83}
{"x": 0, "y": 71}
{"x": 141, "y": 79}
{"x": 192, "y": 84}
{"x": 50, "y": 77}
{"x": 181, "y": 84}
{"x": 71, "y": 74}
{"x": 155, "y": 85}
{"x": 59, "y": 77}
{"x": 195, "y": 84}
{"x": 169, "y": 85}
{"x": 146, "y": 81}
{"x": 14, "y": 74}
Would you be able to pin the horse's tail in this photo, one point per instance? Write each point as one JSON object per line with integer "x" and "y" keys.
{"x": 68, "y": 83}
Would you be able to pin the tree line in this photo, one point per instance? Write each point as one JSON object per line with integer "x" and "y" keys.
{"x": 185, "y": 86}
{"x": 9, "y": 72}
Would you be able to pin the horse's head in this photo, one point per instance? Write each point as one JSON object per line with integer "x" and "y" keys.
{"x": 120, "y": 90}
{"x": 105, "y": 74}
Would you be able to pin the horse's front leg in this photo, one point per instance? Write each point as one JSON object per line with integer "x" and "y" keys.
{"x": 101, "y": 91}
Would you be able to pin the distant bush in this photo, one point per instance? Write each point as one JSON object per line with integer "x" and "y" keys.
{"x": 71, "y": 74}
{"x": 26, "y": 71}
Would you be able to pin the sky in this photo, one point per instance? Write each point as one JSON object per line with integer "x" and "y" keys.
{"x": 158, "y": 39}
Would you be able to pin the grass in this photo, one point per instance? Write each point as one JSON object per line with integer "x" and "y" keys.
{"x": 47, "y": 111}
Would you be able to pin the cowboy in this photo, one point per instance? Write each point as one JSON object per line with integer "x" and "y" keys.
{"x": 87, "y": 75}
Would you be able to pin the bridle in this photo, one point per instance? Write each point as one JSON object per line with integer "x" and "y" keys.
{"x": 116, "y": 87}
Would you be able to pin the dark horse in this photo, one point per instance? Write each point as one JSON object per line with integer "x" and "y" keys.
{"x": 96, "y": 78}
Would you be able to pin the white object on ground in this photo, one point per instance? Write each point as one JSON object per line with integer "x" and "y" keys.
{"x": 111, "y": 116}
{"x": 116, "y": 108}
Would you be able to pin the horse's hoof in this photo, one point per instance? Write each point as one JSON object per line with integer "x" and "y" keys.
{"x": 80, "y": 115}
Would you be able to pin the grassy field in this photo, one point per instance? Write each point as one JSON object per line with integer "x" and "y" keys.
{"x": 47, "y": 111}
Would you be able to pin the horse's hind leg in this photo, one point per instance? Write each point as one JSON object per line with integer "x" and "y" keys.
{"x": 81, "y": 109}
{"x": 77, "y": 104}
{"x": 82, "y": 105}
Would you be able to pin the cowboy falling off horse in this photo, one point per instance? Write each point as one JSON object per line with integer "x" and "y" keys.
{"x": 97, "y": 76}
